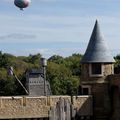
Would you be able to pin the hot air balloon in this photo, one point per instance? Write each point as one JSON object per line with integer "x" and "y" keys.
{"x": 22, "y": 3}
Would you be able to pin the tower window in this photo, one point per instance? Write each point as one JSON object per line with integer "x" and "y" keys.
{"x": 96, "y": 69}
{"x": 86, "y": 89}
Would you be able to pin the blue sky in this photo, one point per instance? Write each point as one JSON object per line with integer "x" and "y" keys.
{"x": 57, "y": 26}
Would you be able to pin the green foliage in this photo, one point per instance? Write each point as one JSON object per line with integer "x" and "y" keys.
{"x": 7, "y": 87}
{"x": 62, "y": 73}
{"x": 117, "y": 64}
{"x": 57, "y": 74}
{"x": 3, "y": 60}
{"x": 56, "y": 59}
{"x": 73, "y": 62}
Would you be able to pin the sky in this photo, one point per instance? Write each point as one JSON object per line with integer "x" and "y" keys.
{"x": 61, "y": 27}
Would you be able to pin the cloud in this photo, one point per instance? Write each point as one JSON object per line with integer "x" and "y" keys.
{"x": 17, "y": 36}
{"x": 34, "y": 0}
{"x": 56, "y": 28}
{"x": 8, "y": 0}
{"x": 48, "y": 0}
{"x": 48, "y": 52}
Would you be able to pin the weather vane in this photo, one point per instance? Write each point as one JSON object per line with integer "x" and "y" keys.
{"x": 22, "y": 3}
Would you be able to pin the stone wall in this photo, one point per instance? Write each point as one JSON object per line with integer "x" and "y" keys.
{"x": 115, "y": 95}
{"x": 39, "y": 107}
{"x": 114, "y": 80}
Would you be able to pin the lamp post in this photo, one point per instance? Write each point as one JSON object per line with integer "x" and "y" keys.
{"x": 44, "y": 65}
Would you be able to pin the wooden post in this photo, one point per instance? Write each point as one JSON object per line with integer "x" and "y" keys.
{"x": 61, "y": 111}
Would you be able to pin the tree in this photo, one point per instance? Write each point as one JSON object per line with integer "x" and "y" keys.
{"x": 56, "y": 59}
{"x": 117, "y": 64}
{"x": 73, "y": 63}
{"x": 62, "y": 73}
{"x": 7, "y": 87}
{"x": 61, "y": 80}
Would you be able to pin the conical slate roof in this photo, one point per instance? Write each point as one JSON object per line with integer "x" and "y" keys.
{"x": 97, "y": 50}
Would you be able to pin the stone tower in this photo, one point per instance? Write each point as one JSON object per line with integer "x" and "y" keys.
{"x": 97, "y": 64}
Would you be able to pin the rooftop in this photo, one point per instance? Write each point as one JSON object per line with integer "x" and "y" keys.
{"x": 97, "y": 50}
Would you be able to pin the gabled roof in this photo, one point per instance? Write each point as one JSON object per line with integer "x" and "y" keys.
{"x": 97, "y": 49}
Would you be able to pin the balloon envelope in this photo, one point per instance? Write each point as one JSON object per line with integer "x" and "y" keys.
{"x": 22, "y": 3}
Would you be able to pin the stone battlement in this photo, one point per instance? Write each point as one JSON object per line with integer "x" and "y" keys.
{"x": 39, "y": 107}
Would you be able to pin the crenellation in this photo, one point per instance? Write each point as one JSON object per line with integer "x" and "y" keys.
{"x": 35, "y": 101}
{"x": 37, "y": 107}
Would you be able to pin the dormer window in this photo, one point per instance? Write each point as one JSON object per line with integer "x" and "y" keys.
{"x": 96, "y": 69}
